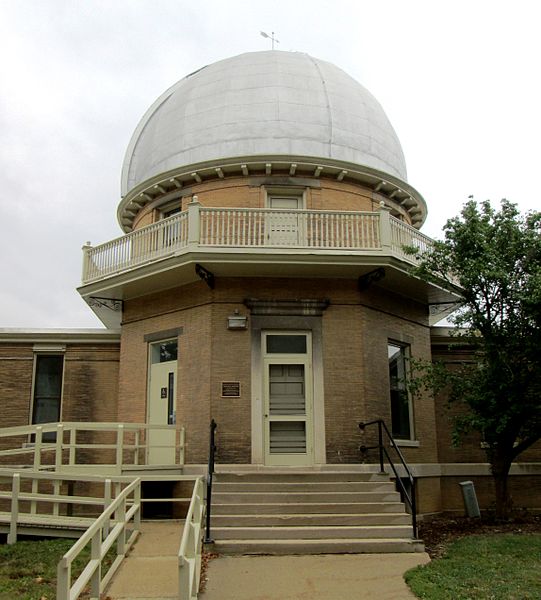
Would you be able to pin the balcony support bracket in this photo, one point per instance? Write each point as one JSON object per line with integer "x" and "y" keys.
{"x": 205, "y": 275}
{"x": 113, "y": 304}
{"x": 366, "y": 280}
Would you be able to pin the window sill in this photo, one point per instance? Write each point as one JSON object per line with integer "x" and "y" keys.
{"x": 408, "y": 443}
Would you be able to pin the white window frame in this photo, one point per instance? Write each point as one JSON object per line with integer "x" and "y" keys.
{"x": 285, "y": 192}
{"x": 47, "y": 351}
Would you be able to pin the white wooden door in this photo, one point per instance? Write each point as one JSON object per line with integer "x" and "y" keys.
{"x": 287, "y": 381}
{"x": 284, "y": 227}
{"x": 162, "y": 403}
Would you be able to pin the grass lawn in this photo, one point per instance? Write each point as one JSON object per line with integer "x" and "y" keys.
{"x": 28, "y": 568}
{"x": 482, "y": 567}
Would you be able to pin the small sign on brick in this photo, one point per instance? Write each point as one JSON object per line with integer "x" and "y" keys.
{"x": 230, "y": 389}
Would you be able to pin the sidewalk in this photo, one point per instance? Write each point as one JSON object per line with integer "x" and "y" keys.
{"x": 320, "y": 577}
{"x": 150, "y": 572}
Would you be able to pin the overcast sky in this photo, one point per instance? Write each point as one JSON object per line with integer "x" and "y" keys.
{"x": 460, "y": 82}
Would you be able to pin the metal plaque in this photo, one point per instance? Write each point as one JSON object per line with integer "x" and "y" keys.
{"x": 230, "y": 389}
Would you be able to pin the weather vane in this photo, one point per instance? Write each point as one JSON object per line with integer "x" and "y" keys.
{"x": 271, "y": 37}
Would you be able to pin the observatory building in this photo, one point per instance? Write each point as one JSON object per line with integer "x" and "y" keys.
{"x": 260, "y": 281}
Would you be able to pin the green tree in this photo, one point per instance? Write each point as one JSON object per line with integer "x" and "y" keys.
{"x": 493, "y": 257}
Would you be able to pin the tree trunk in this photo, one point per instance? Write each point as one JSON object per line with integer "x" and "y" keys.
{"x": 500, "y": 472}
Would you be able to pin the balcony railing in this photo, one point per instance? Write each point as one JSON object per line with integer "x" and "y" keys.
{"x": 279, "y": 229}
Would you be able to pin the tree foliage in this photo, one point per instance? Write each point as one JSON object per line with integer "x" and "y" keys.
{"x": 493, "y": 257}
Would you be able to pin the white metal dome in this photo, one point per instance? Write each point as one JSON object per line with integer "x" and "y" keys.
{"x": 261, "y": 104}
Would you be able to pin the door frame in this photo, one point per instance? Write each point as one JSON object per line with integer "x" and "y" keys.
{"x": 301, "y": 459}
{"x": 289, "y": 323}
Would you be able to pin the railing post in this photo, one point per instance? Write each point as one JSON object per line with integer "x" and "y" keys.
{"x": 37, "y": 462}
{"x": 194, "y": 222}
{"x": 15, "y": 489}
{"x": 37, "y": 447}
{"x": 119, "y": 448}
{"x": 58, "y": 446}
{"x": 137, "y": 501}
{"x": 56, "y": 492}
{"x": 87, "y": 247}
{"x": 136, "y": 442}
{"x": 380, "y": 446}
{"x": 385, "y": 229}
{"x": 414, "y": 507}
{"x": 73, "y": 440}
{"x": 63, "y": 580}
{"x": 182, "y": 442}
{"x": 212, "y": 450}
{"x": 95, "y": 554}
{"x": 120, "y": 517}
{"x": 106, "y": 503}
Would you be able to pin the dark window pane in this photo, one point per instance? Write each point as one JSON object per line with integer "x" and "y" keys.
{"x": 286, "y": 344}
{"x": 48, "y": 376}
{"x": 164, "y": 352}
{"x": 47, "y": 391}
{"x": 400, "y": 403}
{"x": 400, "y": 415}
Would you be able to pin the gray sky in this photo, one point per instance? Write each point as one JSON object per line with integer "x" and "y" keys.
{"x": 460, "y": 82}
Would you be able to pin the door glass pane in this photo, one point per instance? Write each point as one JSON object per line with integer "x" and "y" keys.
{"x": 286, "y": 344}
{"x": 171, "y": 413}
{"x": 287, "y": 437}
{"x": 286, "y": 390}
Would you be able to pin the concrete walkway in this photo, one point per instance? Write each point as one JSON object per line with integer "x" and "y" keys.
{"x": 321, "y": 577}
{"x": 150, "y": 573}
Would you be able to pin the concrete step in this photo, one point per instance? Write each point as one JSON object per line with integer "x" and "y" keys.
{"x": 313, "y": 533}
{"x": 297, "y": 476}
{"x": 334, "y": 546}
{"x": 307, "y": 486}
{"x": 284, "y": 497}
{"x": 310, "y": 520}
{"x": 251, "y": 508}
{"x": 309, "y": 512}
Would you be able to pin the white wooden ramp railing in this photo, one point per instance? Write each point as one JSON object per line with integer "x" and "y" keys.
{"x": 102, "y": 536}
{"x": 189, "y": 554}
{"x": 74, "y": 446}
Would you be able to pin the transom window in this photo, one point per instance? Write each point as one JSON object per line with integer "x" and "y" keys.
{"x": 286, "y": 343}
{"x": 285, "y": 198}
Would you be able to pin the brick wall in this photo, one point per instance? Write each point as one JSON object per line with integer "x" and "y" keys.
{"x": 249, "y": 192}
{"x": 356, "y": 328}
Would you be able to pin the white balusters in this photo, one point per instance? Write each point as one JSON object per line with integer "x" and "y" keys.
{"x": 253, "y": 228}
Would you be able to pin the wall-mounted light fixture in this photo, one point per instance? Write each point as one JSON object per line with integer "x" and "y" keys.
{"x": 237, "y": 321}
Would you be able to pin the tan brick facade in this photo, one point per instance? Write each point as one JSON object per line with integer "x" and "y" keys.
{"x": 236, "y": 192}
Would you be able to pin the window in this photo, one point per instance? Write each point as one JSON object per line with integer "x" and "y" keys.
{"x": 171, "y": 211}
{"x": 164, "y": 351}
{"x": 401, "y": 409}
{"x": 47, "y": 390}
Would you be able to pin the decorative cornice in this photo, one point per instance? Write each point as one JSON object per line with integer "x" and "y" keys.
{"x": 168, "y": 185}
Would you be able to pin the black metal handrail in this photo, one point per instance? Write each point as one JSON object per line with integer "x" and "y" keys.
{"x": 410, "y": 498}
{"x": 210, "y": 473}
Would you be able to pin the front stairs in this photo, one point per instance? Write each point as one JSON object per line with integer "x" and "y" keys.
{"x": 308, "y": 512}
